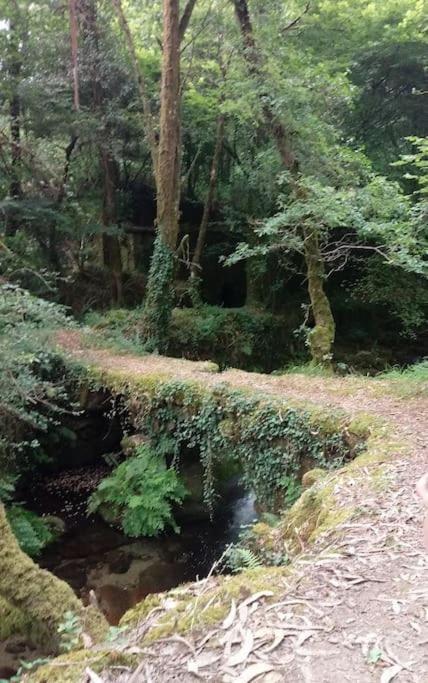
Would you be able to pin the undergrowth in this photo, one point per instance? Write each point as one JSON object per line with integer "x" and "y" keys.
{"x": 33, "y": 533}
{"x": 411, "y": 381}
{"x": 269, "y": 441}
{"x": 139, "y": 494}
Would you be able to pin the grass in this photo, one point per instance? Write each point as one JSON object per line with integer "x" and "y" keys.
{"x": 411, "y": 381}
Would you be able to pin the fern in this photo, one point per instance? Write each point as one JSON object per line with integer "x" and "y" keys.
{"x": 139, "y": 494}
{"x": 239, "y": 558}
{"x": 32, "y": 532}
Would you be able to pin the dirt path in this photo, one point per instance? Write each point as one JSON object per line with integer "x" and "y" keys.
{"x": 357, "y": 609}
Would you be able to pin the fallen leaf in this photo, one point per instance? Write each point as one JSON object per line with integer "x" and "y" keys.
{"x": 253, "y": 671}
{"x": 93, "y": 677}
{"x": 257, "y": 596}
{"x": 227, "y": 623}
{"x": 242, "y": 654}
{"x": 390, "y": 673}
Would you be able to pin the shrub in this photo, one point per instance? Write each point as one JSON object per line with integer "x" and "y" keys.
{"x": 139, "y": 494}
{"x": 31, "y": 381}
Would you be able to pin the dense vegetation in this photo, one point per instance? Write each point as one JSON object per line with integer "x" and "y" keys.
{"x": 243, "y": 182}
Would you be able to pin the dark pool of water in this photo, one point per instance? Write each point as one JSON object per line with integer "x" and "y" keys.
{"x": 91, "y": 555}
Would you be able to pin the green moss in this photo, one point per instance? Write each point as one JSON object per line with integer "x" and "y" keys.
{"x": 201, "y": 609}
{"x": 14, "y": 622}
{"x": 313, "y": 476}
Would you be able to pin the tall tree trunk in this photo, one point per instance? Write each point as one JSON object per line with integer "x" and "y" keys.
{"x": 168, "y": 177}
{"x": 72, "y": 9}
{"x": 159, "y": 297}
{"x": 195, "y": 268}
{"x": 321, "y": 338}
{"x": 38, "y": 593}
{"x": 112, "y": 257}
{"x": 111, "y": 251}
{"x": 14, "y": 72}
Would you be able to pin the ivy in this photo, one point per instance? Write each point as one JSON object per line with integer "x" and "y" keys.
{"x": 268, "y": 441}
{"x": 159, "y": 300}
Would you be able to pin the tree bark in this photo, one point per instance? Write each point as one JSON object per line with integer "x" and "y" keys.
{"x": 111, "y": 251}
{"x": 321, "y": 338}
{"x": 14, "y": 72}
{"x": 195, "y": 269}
{"x": 159, "y": 298}
{"x": 39, "y": 594}
{"x": 74, "y": 52}
{"x": 168, "y": 176}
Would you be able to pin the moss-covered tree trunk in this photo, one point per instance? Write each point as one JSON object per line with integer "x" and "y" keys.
{"x": 321, "y": 338}
{"x": 159, "y": 297}
{"x": 39, "y": 595}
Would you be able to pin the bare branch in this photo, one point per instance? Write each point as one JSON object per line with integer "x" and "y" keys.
{"x": 139, "y": 77}
{"x": 185, "y": 19}
{"x": 296, "y": 21}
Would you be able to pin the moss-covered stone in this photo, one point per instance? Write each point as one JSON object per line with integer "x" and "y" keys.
{"x": 313, "y": 476}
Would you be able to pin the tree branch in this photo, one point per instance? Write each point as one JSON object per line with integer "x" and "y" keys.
{"x": 185, "y": 19}
{"x": 294, "y": 23}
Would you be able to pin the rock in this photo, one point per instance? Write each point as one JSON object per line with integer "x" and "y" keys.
{"x": 129, "y": 444}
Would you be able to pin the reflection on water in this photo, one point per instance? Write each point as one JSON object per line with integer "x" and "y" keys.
{"x": 122, "y": 571}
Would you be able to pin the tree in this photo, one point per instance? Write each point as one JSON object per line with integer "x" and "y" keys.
{"x": 111, "y": 252}
{"x": 321, "y": 338}
{"x": 42, "y": 597}
{"x": 159, "y": 299}
{"x": 14, "y": 68}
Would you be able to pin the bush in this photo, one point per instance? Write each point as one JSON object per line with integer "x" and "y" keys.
{"x": 139, "y": 494}
{"x": 31, "y": 376}
{"x": 240, "y": 337}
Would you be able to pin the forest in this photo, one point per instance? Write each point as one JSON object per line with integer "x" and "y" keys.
{"x": 213, "y": 306}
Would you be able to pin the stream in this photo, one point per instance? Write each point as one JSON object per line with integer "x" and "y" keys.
{"x": 91, "y": 555}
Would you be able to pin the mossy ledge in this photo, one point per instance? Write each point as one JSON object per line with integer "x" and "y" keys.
{"x": 272, "y": 439}
{"x": 312, "y": 522}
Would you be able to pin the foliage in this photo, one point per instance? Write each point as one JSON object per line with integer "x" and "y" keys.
{"x": 31, "y": 375}
{"x": 267, "y": 439}
{"x": 139, "y": 493}
{"x": 240, "y": 338}
{"x": 159, "y": 302}
{"x": 238, "y": 559}
{"x": 70, "y": 631}
{"x": 32, "y": 532}
{"x": 25, "y": 668}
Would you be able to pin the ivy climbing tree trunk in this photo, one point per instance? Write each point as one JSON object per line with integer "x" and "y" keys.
{"x": 195, "y": 268}
{"x": 159, "y": 297}
{"x": 321, "y": 338}
{"x": 39, "y": 594}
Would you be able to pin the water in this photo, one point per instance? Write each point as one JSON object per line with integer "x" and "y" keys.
{"x": 92, "y": 556}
